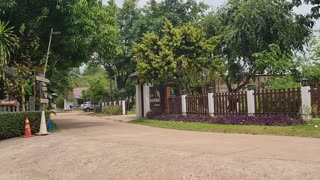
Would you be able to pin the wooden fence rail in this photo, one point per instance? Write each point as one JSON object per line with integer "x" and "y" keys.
{"x": 230, "y": 103}
{"x": 266, "y": 102}
{"x": 315, "y": 100}
{"x": 197, "y": 104}
{"x": 277, "y": 102}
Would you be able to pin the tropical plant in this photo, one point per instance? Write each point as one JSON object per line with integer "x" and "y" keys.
{"x": 8, "y": 43}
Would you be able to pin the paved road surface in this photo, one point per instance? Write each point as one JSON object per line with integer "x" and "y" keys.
{"x": 95, "y": 148}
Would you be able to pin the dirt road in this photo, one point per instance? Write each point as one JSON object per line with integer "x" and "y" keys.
{"x": 95, "y": 148}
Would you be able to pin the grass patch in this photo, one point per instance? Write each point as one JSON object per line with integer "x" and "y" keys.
{"x": 131, "y": 112}
{"x": 307, "y": 130}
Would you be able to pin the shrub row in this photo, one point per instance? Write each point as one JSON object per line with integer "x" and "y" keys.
{"x": 12, "y": 124}
{"x": 111, "y": 110}
{"x": 270, "y": 120}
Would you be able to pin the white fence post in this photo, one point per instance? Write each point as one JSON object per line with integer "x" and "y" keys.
{"x": 114, "y": 103}
{"x": 64, "y": 104}
{"x": 250, "y": 102}
{"x": 305, "y": 100}
{"x": 138, "y": 101}
{"x": 18, "y": 107}
{"x": 211, "y": 104}
{"x": 184, "y": 105}
{"x": 146, "y": 99}
{"x": 123, "y": 107}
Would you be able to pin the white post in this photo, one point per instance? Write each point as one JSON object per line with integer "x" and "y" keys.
{"x": 211, "y": 104}
{"x": 138, "y": 101}
{"x": 64, "y": 104}
{"x": 250, "y": 102}
{"x": 184, "y": 105}
{"x": 120, "y": 103}
{"x": 146, "y": 99}
{"x": 123, "y": 107}
{"x": 306, "y": 100}
{"x": 114, "y": 103}
{"x": 18, "y": 107}
{"x": 110, "y": 103}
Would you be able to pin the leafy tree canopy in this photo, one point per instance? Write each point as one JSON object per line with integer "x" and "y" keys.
{"x": 179, "y": 56}
{"x": 85, "y": 25}
{"x": 247, "y": 27}
{"x": 283, "y": 82}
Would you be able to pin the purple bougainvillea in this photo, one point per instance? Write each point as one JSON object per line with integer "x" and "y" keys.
{"x": 269, "y": 120}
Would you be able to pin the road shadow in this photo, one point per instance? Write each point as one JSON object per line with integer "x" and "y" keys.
{"x": 66, "y": 122}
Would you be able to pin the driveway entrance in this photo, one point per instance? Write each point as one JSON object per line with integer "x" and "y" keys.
{"x": 96, "y": 148}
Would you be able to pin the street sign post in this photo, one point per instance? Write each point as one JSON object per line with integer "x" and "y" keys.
{"x": 44, "y": 101}
{"x": 42, "y": 79}
{"x": 43, "y": 90}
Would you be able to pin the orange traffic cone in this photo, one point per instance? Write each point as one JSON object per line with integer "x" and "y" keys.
{"x": 27, "y": 130}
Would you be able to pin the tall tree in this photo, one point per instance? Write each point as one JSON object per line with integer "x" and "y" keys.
{"x": 178, "y": 56}
{"x": 86, "y": 26}
{"x": 120, "y": 66}
{"x": 178, "y": 12}
{"x": 247, "y": 27}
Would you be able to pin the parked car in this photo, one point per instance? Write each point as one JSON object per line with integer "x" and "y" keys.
{"x": 87, "y": 106}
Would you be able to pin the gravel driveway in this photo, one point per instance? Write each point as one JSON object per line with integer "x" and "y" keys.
{"x": 96, "y": 148}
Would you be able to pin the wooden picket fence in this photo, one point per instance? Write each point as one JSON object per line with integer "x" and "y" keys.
{"x": 286, "y": 101}
{"x": 315, "y": 100}
{"x": 230, "y": 103}
{"x": 266, "y": 102}
{"x": 111, "y": 103}
{"x": 197, "y": 104}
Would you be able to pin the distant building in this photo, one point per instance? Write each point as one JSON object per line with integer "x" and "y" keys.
{"x": 77, "y": 94}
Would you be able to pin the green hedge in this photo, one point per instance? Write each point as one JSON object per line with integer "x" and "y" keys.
{"x": 12, "y": 123}
{"x": 112, "y": 110}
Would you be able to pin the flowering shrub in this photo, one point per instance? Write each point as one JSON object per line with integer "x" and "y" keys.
{"x": 270, "y": 120}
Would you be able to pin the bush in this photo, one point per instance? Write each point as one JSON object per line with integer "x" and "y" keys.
{"x": 12, "y": 124}
{"x": 59, "y": 102}
{"x": 111, "y": 110}
{"x": 271, "y": 120}
{"x": 98, "y": 109}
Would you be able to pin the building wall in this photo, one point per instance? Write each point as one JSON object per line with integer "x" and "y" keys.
{"x": 259, "y": 82}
